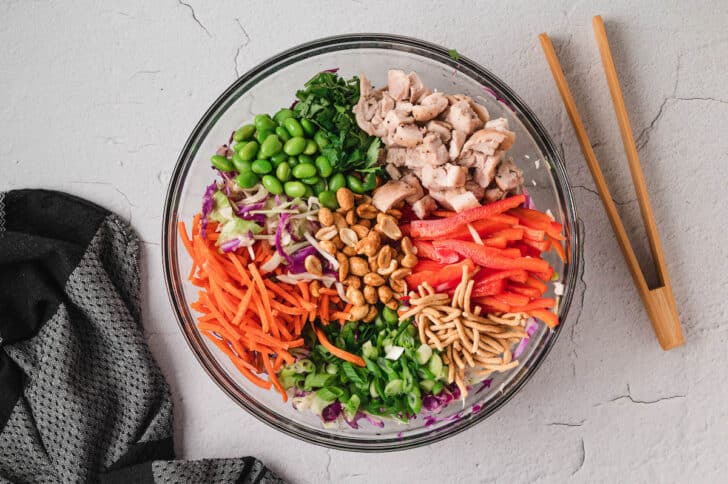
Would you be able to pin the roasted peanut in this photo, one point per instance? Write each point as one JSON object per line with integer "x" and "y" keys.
{"x": 351, "y": 281}
{"x": 365, "y": 223}
{"x": 350, "y": 217}
{"x": 387, "y": 225}
{"x": 358, "y": 266}
{"x": 328, "y": 247}
{"x": 348, "y": 237}
{"x": 337, "y": 242}
{"x": 313, "y": 265}
{"x": 326, "y": 233}
{"x": 314, "y": 287}
{"x": 355, "y": 296}
{"x": 394, "y": 213}
{"x": 360, "y": 230}
{"x": 393, "y": 304}
{"x": 389, "y": 269}
{"x": 370, "y": 244}
{"x": 366, "y": 211}
{"x": 384, "y": 257}
{"x": 345, "y": 197}
{"x": 359, "y": 312}
{"x": 407, "y": 246}
{"x": 400, "y": 274}
{"x": 373, "y": 279}
{"x": 409, "y": 261}
{"x": 343, "y": 266}
{"x": 372, "y": 264}
{"x": 339, "y": 221}
{"x": 325, "y": 216}
{"x": 397, "y": 286}
{"x": 371, "y": 314}
{"x": 349, "y": 251}
{"x": 384, "y": 293}
{"x": 370, "y": 294}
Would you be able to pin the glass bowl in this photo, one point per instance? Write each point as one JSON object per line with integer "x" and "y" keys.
{"x": 270, "y": 86}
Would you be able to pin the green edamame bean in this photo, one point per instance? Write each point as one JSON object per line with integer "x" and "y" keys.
{"x": 263, "y": 122}
{"x": 279, "y": 158}
{"x": 324, "y": 166}
{"x": 370, "y": 182}
{"x": 308, "y": 127}
{"x": 272, "y": 184}
{"x": 321, "y": 140}
{"x": 262, "y": 134}
{"x": 304, "y": 170}
{"x": 308, "y": 192}
{"x": 294, "y": 189}
{"x": 282, "y": 134}
{"x": 311, "y": 147}
{"x": 283, "y": 172}
{"x": 354, "y": 184}
{"x": 244, "y": 133}
{"x": 337, "y": 181}
{"x": 390, "y": 315}
{"x": 295, "y": 145}
{"x": 311, "y": 180}
{"x": 261, "y": 167}
{"x": 328, "y": 199}
{"x": 248, "y": 152}
{"x": 293, "y": 127}
{"x": 247, "y": 179}
{"x": 270, "y": 146}
{"x": 240, "y": 164}
{"x": 223, "y": 164}
{"x": 319, "y": 186}
{"x": 305, "y": 159}
{"x": 282, "y": 115}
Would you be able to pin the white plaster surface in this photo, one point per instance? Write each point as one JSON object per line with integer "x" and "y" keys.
{"x": 97, "y": 98}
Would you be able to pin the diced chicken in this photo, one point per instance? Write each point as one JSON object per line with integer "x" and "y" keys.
{"x": 456, "y": 143}
{"x": 385, "y": 105}
{"x": 417, "y": 88}
{"x": 480, "y": 111}
{"x": 365, "y": 87}
{"x": 407, "y": 135}
{"x": 414, "y": 182}
{"x": 396, "y": 156}
{"x": 473, "y": 187}
{"x": 489, "y": 141}
{"x": 405, "y": 106}
{"x": 457, "y": 199}
{"x": 396, "y": 118}
{"x": 390, "y": 194}
{"x": 430, "y": 107}
{"x": 462, "y": 117}
{"x": 498, "y": 124}
{"x": 508, "y": 176}
{"x": 433, "y": 151}
{"x": 398, "y": 84}
{"x": 444, "y": 177}
{"x": 440, "y": 128}
{"x": 424, "y": 206}
{"x": 393, "y": 172}
{"x": 485, "y": 168}
{"x": 493, "y": 194}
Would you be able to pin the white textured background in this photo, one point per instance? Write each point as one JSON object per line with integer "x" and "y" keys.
{"x": 97, "y": 98}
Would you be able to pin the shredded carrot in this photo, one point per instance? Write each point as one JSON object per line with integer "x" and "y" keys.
{"x": 344, "y": 355}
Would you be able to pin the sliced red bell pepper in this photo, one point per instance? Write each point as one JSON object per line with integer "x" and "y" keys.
{"x": 555, "y": 231}
{"x": 427, "y": 265}
{"x": 556, "y": 245}
{"x": 490, "y": 304}
{"x": 406, "y": 229}
{"x": 527, "y": 250}
{"x": 449, "y": 273}
{"x": 443, "y": 255}
{"x": 486, "y": 276}
{"x": 441, "y": 227}
{"x": 539, "y": 303}
{"x": 524, "y": 290}
{"x": 551, "y": 319}
{"x": 497, "y": 242}
{"x": 540, "y": 245}
{"x": 489, "y": 288}
{"x": 538, "y": 284}
{"x": 511, "y": 253}
{"x": 509, "y": 234}
{"x": 532, "y": 234}
{"x": 545, "y": 275}
{"x": 483, "y": 227}
{"x": 503, "y": 218}
{"x": 491, "y": 257}
{"x": 511, "y": 299}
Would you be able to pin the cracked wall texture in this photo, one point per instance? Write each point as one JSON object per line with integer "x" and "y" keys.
{"x": 98, "y": 98}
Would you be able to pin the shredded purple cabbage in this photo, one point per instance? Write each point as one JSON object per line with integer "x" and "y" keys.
{"x": 207, "y": 206}
{"x": 230, "y": 139}
{"x": 296, "y": 263}
{"x": 332, "y": 412}
{"x": 501, "y": 100}
{"x": 333, "y": 71}
{"x": 230, "y": 245}
{"x": 248, "y": 208}
{"x": 483, "y": 385}
{"x": 531, "y": 327}
{"x": 282, "y": 224}
{"x": 476, "y": 408}
{"x": 293, "y": 104}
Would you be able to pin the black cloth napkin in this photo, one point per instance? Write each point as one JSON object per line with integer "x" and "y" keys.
{"x": 81, "y": 398}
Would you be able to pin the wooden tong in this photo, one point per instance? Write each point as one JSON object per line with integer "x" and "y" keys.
{"x": 659, "y": 301}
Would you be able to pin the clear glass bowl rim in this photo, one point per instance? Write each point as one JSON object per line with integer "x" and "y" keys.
{"x": 170, "y": 237}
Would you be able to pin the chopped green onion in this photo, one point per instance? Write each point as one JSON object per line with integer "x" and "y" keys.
{"x": 317, "y": 380}
{"x": 435, "y": 365}
{"x": 394, "y": 387}
{"x": 369, "y": 351}
{"x": 423, "y": 354}
{"x": 427, "y": 385}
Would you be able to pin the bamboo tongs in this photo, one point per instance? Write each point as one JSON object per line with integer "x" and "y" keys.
{"x": 659, "y": 301}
